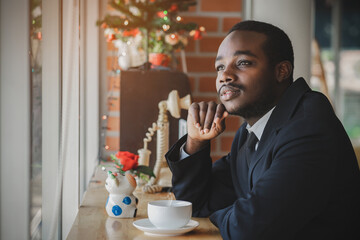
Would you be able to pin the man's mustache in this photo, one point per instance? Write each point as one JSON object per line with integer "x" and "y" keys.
{"x": 231, "y": 86}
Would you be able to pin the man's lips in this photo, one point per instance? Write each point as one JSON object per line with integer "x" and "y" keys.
{"x": 229, "y": 90}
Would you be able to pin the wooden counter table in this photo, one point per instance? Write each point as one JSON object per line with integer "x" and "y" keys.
{"x": 92, "y": 221}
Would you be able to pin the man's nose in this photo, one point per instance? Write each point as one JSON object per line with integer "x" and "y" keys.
{"x": 227, "y": 76}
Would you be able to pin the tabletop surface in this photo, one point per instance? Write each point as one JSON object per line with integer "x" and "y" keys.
{"x": 92, "y": 221}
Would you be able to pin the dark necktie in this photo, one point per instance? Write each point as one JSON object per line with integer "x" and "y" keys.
{"x": 250, "y": 147}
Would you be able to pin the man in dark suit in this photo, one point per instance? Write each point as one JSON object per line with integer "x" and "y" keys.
{"x": 292, "y": 172}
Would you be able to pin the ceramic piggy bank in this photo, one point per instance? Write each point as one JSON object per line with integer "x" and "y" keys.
{"x": 121, "y": 202}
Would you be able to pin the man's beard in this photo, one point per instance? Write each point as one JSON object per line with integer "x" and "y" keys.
{"x": 256, "y": 109}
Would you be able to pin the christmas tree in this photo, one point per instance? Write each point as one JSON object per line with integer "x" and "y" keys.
{"x": 158, "y": 21}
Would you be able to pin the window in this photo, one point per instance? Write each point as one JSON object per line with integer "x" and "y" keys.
{"x": 36, "y": 118}
{"x": 337, "y": 31}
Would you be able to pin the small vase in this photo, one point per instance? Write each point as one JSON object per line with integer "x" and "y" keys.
{"x": 121, "y": 202}
{"x": 159, "y": 59}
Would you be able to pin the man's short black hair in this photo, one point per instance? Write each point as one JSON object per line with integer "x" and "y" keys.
{"x": 277, "y": 47}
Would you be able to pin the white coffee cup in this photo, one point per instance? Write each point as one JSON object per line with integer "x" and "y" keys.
{"x": 169, "y": 214}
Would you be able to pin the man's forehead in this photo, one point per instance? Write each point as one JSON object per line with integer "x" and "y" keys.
{"x": 241, "y": 41}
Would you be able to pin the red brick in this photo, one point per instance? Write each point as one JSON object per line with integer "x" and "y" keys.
{"x": 113, "y": 143}
{"x": 213, "y": 145}
{"x": 221, "y": 6}
{"x": 226, "y": 143}
{"x": 229, "y": 22}
{"x": 233, "y": 123}
{"x": 112, "y": 63}
{"x": 113, "y": 123}
{"x": 201, "y": 64}
{"x": 207, "y": 84}
{"x": 210, "y": 44}
{"x": 210, "y": 23}
{"x": 192, "y": 8}
{"x": 113, "y": 83}
{"x": 110, "y": 46}
{"x": 191, "y": 45}
{"x": 114, "y": 104}
{"x": 230, "y": 132}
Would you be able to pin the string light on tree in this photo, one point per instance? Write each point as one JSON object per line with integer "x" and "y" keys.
{"x": 166, "y": 27}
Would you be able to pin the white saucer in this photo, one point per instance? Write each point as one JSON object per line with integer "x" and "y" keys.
{"x": 149, "y": 229}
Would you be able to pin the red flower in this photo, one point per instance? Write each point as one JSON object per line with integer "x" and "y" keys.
{"x": 128, "y": 160}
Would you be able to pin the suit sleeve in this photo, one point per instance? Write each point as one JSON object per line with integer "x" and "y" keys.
{"x": 208, "y": 186}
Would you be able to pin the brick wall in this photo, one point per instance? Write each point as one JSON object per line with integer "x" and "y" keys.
{"x": 217, "y": 17}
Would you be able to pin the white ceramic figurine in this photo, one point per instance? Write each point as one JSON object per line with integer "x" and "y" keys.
{"x": 121, "y": 202}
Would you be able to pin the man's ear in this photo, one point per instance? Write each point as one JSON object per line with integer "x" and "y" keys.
{"x": 283, "y": 71}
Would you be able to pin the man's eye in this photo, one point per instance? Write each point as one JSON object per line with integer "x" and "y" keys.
{"x": 220, "y": 68}
{"x": 244, "y": 63}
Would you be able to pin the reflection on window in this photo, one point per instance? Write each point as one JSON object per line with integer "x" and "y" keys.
{"x": 36, "y": 115}
{"x": 344, "y": 91}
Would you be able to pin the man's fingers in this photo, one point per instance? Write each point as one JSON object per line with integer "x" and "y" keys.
{"x": 194, "y": 112}
{"x": 206, "y": 115}
{"x": 202, "y": 113}
{"x": 210, "y": 115}
{"x": 221, "y": 113}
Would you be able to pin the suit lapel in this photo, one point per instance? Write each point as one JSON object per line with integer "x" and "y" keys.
{"x": 283, "y": 111}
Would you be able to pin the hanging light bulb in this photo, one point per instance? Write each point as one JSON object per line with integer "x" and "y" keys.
{"x": 126, "y": 22}
{"x": 178, "y": 18}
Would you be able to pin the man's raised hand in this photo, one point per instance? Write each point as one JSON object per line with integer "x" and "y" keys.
{"x": 205, "y": 121}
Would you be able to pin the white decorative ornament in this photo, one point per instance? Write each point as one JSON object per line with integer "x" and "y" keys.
{"x": 135, "y": 11}
{"x": 124, "y": 57}
{"x": 121, "y": 202}
{"x": 108, "y": 31}
{"x": 36, "y": 12}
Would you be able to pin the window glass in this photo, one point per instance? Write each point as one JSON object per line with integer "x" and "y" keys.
{"x": 36, "y": 117}
{"x": 344, "y": 92}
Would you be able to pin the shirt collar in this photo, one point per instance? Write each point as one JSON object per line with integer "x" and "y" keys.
{"x": 259, "y": 126}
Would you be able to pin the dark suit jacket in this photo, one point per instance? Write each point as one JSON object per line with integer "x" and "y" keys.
{"x": 303, "y": 182}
